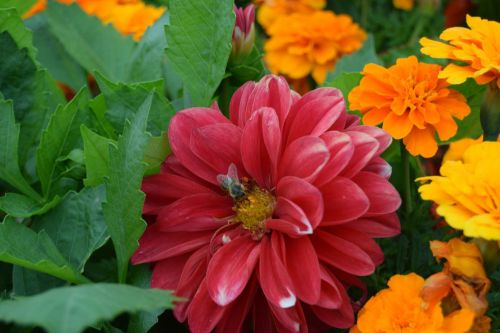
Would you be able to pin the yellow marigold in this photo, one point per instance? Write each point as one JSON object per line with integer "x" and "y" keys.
{"x": 478, "y": 48}
{"x": 456, "y": 149}
{"x": 270, "y": 10}
{"x": 411, "y": 102}
{"x": 129, "y": 17}
{"x": 400, "y": 308}
{"x": 468, "y": 192}
{"x": 301, "y": 44}
{"x": 403, "y": 4}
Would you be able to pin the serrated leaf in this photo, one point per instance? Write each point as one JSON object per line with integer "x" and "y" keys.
{"x": 12, "y": 23}
{"x": 21, "y": 246}
{"x": 60, "y": 137}
{"x": 199, "y": 44}
{"x": 156, "y": 152}
{"x": 345, "y": 82}
{"x": 9, "y": 167}
{"x": 72, "y": 309}
{"x": 124, "y": 199}
{"x": 123, "y": 101}
{"x": 92, "y": 44}
{"x": 18, "y": 205}
{"x": 76, "y": 225}
{"x": 96, "y": 156}
{"x": 21, "y": 6}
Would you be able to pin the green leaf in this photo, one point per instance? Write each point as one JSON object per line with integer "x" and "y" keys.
{"x": 345, "y": 82}
{"x": 72, "y": 309}
{"x": 21, "y": 246}
{"x": 18, "y": 205}
{"x": 96, "y": 156}
{"x": 60, "y": 137}
{"x": 13, "y": 24}
{"x": 9, "y": 167}
{"x": 356, "y": 61}
{"x": 92, "y": 44}
{"x": 156, "y": 152}
{"x": 249, "y": 68}
{"x": 199, "y": 44}
{"x": 76, "y": 225}
{"x": 124, "y": 199}
{"x": 26, "y": 282}
{"x": 123, "y": 101}
{"x": 470, "y": 126}
{"x": 22, "y": 6}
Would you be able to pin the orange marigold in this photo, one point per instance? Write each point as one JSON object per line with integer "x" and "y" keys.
{"x": 301, "y": 44}
{"x": 403, "y": 4}
{"x": 478, "y": 48}
{"x": 400, "y": 308}
{"x": 411, "y": 102}
{"x": 129, "y": 17}
{"x": 270, "y": 10}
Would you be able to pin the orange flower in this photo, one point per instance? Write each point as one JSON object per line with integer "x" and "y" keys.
{"x": 270, "y": 10}
{"x": 411, "y": 102}
{"x": 400, "y": 308}
{"x": 403, "y": 4}
{"x": 129, "y": 17}
{"x": 478, "y": 48}
{"x": 301, "y": 44}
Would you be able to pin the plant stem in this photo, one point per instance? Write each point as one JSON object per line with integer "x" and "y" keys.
{"x": 406, "y": 180}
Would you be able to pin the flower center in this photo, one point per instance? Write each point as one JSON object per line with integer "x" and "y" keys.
{"x": 253, "y": 209}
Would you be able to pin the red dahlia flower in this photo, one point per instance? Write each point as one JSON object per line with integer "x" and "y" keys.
{"x": 266, "y": 219}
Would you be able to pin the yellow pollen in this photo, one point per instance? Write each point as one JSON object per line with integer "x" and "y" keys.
{"x": 254, "y": 209}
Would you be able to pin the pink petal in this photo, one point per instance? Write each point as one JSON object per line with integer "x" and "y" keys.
{"x": 273, "y": 276}
{"x": 378, "y": 226}
{"x": 341, "y": 150}
{"x": 155, "y": 245}
{"x": 331, "y": 291}
{"x": 344, "y": 201}
{"x": 383, "y": 138}
{"x": 303, "y": 267}
{"x": 304, "y": 158}
{"x": 291, "y": 219}
{"x": 384, "y": 198}
{"x": 314, "y": 114}
{"x": 163, "y": 189}
{"x": 203, "y": 313}
{"x": 179, "y": 135}
{"x": 379, "y": 166}
{"x": 342, "y": 254}
{"x": 365, "y": 148}
{"x": 218, "y": 146}
{"x": 191, "y": 277}
{"x": 167, "y": 272}
{"x": 260, "y": 145}
{"x": 230, "y": 268}
{"x": 262, "y": 315}
{"x": 290, "y": 319}
{"x": 304, "y": 195}
{"x": 342, "y": 317}
{"x": 198, "y": 212}
{"x": 362, "y": 240}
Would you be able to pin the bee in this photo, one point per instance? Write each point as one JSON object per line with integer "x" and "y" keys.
{"x": 231, "y": 183}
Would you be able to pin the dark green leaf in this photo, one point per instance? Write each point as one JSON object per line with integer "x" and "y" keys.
{"x": 18, "y": 205}
{"x": 72, "y": 309}
{"x": 345, "y": 82}
{"x": 27, "y": 282}
{"x": 199, "y": 44}
{"x": 60, "y": 137}
{"x": 96, "y": 155}
{"x": 22, "y": 246}
{"x": 156, "y": 152}
{"x": 12, "y": 23}
{"x": 124, "y": 199}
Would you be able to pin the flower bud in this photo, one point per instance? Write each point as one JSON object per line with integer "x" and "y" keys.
{"x": 244, "y": 31}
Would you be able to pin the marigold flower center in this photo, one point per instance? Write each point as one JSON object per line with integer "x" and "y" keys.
{"x": 254, "y": 208}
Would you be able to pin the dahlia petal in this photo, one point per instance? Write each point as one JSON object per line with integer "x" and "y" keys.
{"x": 362, "y": 240}
{"x": 155, "y": 245}
{"x": 379, "y": 166}
{"x": 238, "y": 103}
{"x": 344, "y": 201}
{"x": 193, "y": 274}
{"x": 203, "y": 312}
{"x": 289, "y": 320}
{"x": 303, "y": 267}
{"x": 218, "y": 146}
{"x": 303, "y": 194}
{"x": 292, "y": 219}
{"x": 273, "y": 276}
{"x": 365, "y": 148}
{"x": 384, "y": 198}
{"x": 167, "y": 272}
{"x": 304, "y": 158}
{"x": 230, "y": 269}
{"x": 342, "y": 317}
{"x": 383, "y": 138}
{"x": 260, "y": 145}
{"x": 163, "y": 189}
{"x": 378, "y": 226}
{"x": 314, "y": 113}
{"x": 262, "y": 315}
{"x": 179, "y": 135}
{"x": 330, "y": 296}
{"x": 342, "y": 254}
{"x": 198, "y": 212}
{"x": 341, "y": 150}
